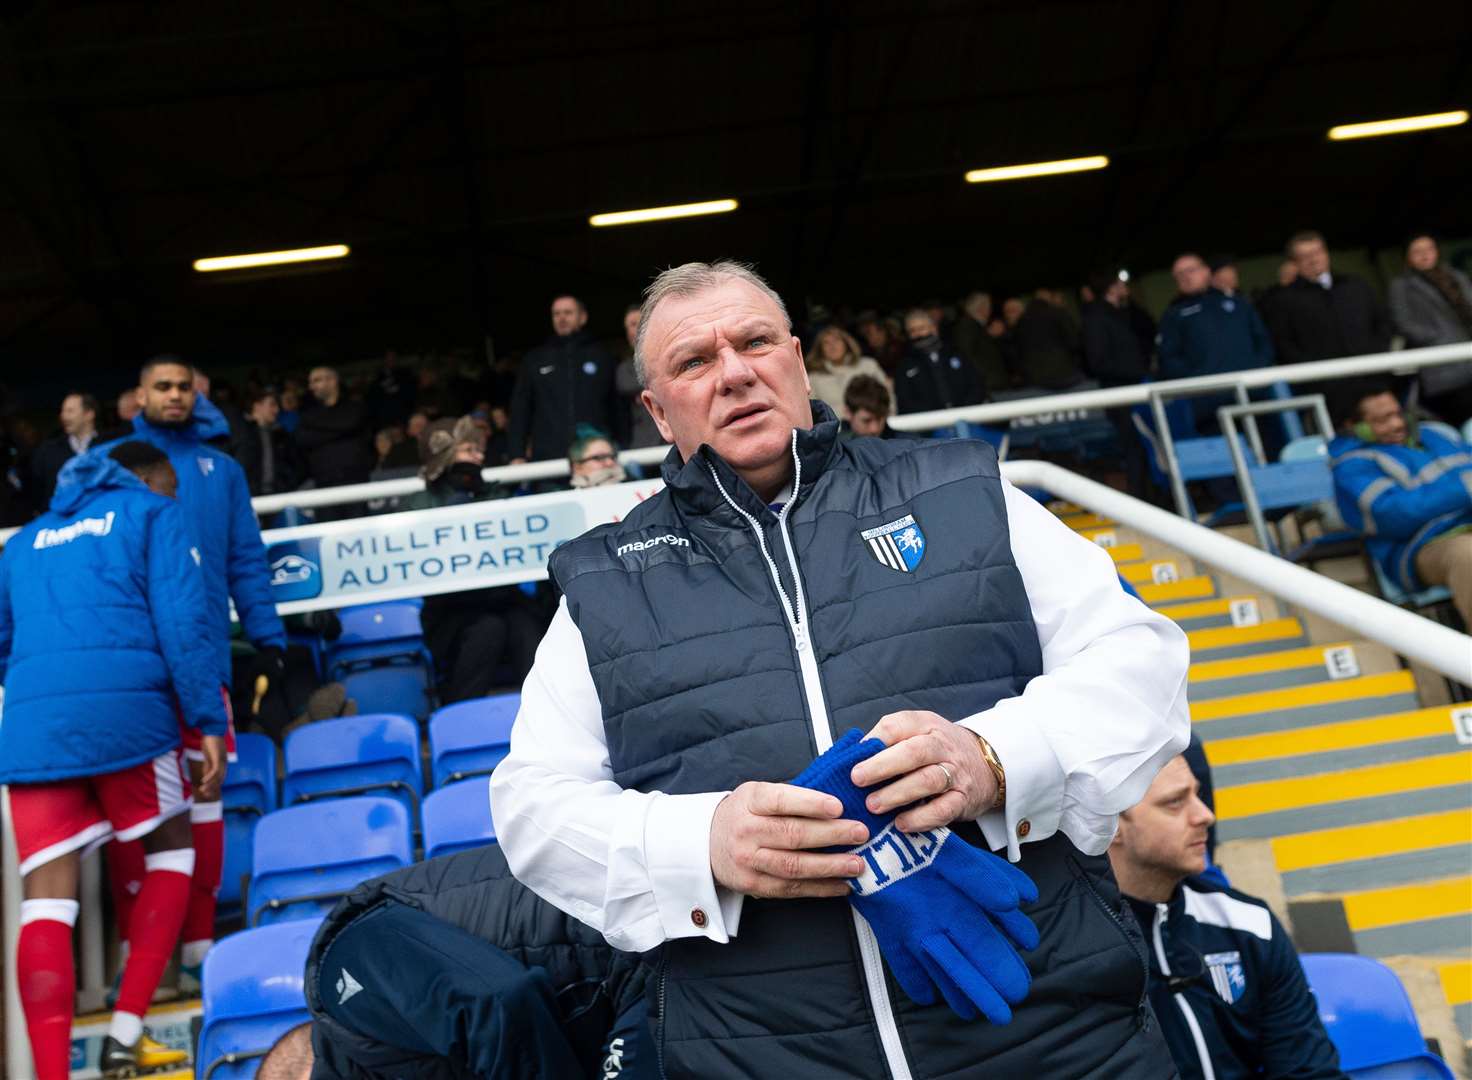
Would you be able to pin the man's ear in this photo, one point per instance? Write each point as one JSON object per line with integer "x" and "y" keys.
{"x": 656, "y": 411}
{"x": 802, "y": 364}
{"x": 138, "y": 397}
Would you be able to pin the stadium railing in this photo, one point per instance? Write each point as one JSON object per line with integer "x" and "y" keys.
{"x": 1414, "y": 637}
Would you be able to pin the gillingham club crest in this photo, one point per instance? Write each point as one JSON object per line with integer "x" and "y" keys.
{"x": 900, "y": 545}
{"x": 1228, "y": 977}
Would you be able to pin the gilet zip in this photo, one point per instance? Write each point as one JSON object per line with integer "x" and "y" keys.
{"x": 1203, "y": 1055}
{"x": 807, "y": 662}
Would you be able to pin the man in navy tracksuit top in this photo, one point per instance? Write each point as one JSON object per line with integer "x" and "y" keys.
{"x": 216, "y": 502}
{"x": 1225, "y": 980}
{"x": 105, "y": 645}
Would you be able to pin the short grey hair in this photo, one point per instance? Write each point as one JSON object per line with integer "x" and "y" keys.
{"x": 687, "y": 280}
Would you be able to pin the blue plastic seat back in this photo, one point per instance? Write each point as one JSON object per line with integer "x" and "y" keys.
{"x": 373, "y": 753}
{"x": 367, "y": 624}
{"x": 471, "y": 736}
{"x": 458, "y": 817}
{"x": 253, "y": 994}
{"x": 1208, "y": 458}
{"x": 250, "y": 781}
{"x": 402, "y": 688}
{"x": 1292, "y": 483}
{"x": 1369, "y": 1016}
{"x": 324, "y": 849}
{"x": 240, "y": 833}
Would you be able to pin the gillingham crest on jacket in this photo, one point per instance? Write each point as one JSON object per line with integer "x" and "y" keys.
{"x": 1227, "y": 975}
{"x": 900, "y": 545}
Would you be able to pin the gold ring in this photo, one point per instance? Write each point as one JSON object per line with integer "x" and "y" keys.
{"x": 950, "y": 780}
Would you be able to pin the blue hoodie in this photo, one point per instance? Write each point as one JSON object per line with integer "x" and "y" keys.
{"x": 216, "y": 502}
{"x": 103, "y": 626}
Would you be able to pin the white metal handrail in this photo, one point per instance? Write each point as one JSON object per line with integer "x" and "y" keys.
{"x": 1417, "y": 638}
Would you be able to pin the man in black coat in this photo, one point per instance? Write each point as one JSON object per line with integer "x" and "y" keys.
{"x": 976, "y": 342}
{"x": 265, "y": 451}
{"x": 78, "y": 432}
{"x": 566, "y": 381}
{"x": 1323, "y": 314}
{"x": 451, "y": 968}
{"x": 933, "y": 375}
{"x": 1047, "y": 343}
{"x": 1113, "y": 355}
{"x": 334, "y": 438}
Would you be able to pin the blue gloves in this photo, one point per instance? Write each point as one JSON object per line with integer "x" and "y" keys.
{"x": 946, "y": 914}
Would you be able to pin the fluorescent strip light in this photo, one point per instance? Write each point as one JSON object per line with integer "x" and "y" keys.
{"x": 270, "y": 258}
{"x": 1037, "y": 168}
{"x": 662, "y": 213}
{"x": 1398, "y": 127}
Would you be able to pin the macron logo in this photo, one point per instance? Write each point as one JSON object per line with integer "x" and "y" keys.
{"x": 47, "y": 538}
{"x": 652, "y": 542}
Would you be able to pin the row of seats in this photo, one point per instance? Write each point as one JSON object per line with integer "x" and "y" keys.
{"x": 253, "y": 994}
{"x": 359, "y": 760}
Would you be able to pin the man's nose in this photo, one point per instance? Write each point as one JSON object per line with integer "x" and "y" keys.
{"x": 734, "y": 370}
{"x": 1203, "y": 815}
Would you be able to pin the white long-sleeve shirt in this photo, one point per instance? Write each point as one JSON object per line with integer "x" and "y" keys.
{"x": 1081, "y": 743}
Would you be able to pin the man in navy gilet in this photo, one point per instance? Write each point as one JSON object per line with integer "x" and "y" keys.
{"x": 785, "y": 587}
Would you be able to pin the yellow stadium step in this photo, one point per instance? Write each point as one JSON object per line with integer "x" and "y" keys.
{"x": 1306, "y": 705}
{"x": 1287, "y": 667}
{"x": 1375, "y": 731}
{"x": 1375, "y": 853}
{"x": 1153, "y": 572}
{"x": 1426, "y": 917}
{"x": 1456, "y": 984}
{"x": 1189, "y": 588}
{"x": 1122, "y": 553}
{"x": 1086, "y": 522}
{"x": 1220, "y": 611}
{"x": 1222, "y": 642}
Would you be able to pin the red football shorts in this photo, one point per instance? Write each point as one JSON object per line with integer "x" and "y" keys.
{"x": 193, "y": 740}
{"x": 56, "y": 818}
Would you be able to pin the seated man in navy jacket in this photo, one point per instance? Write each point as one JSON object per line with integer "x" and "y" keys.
{"x": 1225, "y": 980}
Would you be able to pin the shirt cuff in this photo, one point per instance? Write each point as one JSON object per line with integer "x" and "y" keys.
{"x": 677, "y": 847}
{"x": 1034, "y": 781}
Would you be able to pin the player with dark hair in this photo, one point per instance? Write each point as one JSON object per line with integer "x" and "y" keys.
{"x": 104, "y": 644}
{"x": 217, "y": 516}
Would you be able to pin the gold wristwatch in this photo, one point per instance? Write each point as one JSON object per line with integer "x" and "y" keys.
{"x": 996, "y": 766}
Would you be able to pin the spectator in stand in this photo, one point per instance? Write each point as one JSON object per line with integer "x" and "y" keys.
{"x": 933, "y": 375}
{"x": 1206, "y": 332}
{"x": 1226, "y": 983}
{"x": 1224, "y": 277}
{"x": 415, "y": 426}
{"x": 78, "y": 429}
{"x": 1408, "y": 491}
{"x": 334, "y": 440}
{"x": 1048, "y": 343}
{"x": 265, "y": 451}
{"x": 1113, "y": 356}
{"x": 1323, "y": 314}
{"x": 833, "y": 362}
{"x": 867, "y": 407}
{"x": 106, "y": 650}
{"x": 394, "y": 451}
{"x": 566, "y": 381}
{"x": 592, "y": 459}
{"x": 391, "y": 397}
{"x": 1431, "y": 304}
{"x": 1267, "y": 299}
{"x": 641, "y": 426}
{"x": 883, "y": 339}
{"x": 291, "y": 406}
{"x": 216, "y": 504}
{"x": 127, "y": 406}
{"x": 479, "y": 638}
{"x": 973, "y": 337}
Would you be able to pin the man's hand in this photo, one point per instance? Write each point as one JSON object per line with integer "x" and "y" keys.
{"x": 213, "y": 774}
{"x": 761, "y": 838}
{"x": 917, "y": 744}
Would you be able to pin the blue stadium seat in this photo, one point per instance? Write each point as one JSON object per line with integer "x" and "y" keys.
{"x": 458, "y": 817}
{"x": 375, "y": 632}
{"x": 470, "y": 737}
{"x": 374, "y": 753}
{"x": 307, "y": 856}
{"x": 1370, "y": 1019}
{"x": 396, "y": 686}
{"x": 248, "y": 793}
{"x": 253, "y": 994}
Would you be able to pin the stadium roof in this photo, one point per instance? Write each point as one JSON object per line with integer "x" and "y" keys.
{"x": 460, "y": 148}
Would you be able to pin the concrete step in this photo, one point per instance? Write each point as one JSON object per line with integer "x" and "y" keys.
{"x": 1219, "y": 611}
{"x": 1226, "y": 642}
{"x": 1374, "y": 854}
{"x": 1305, "y": 706}
{"x": 1289, "y": 667}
